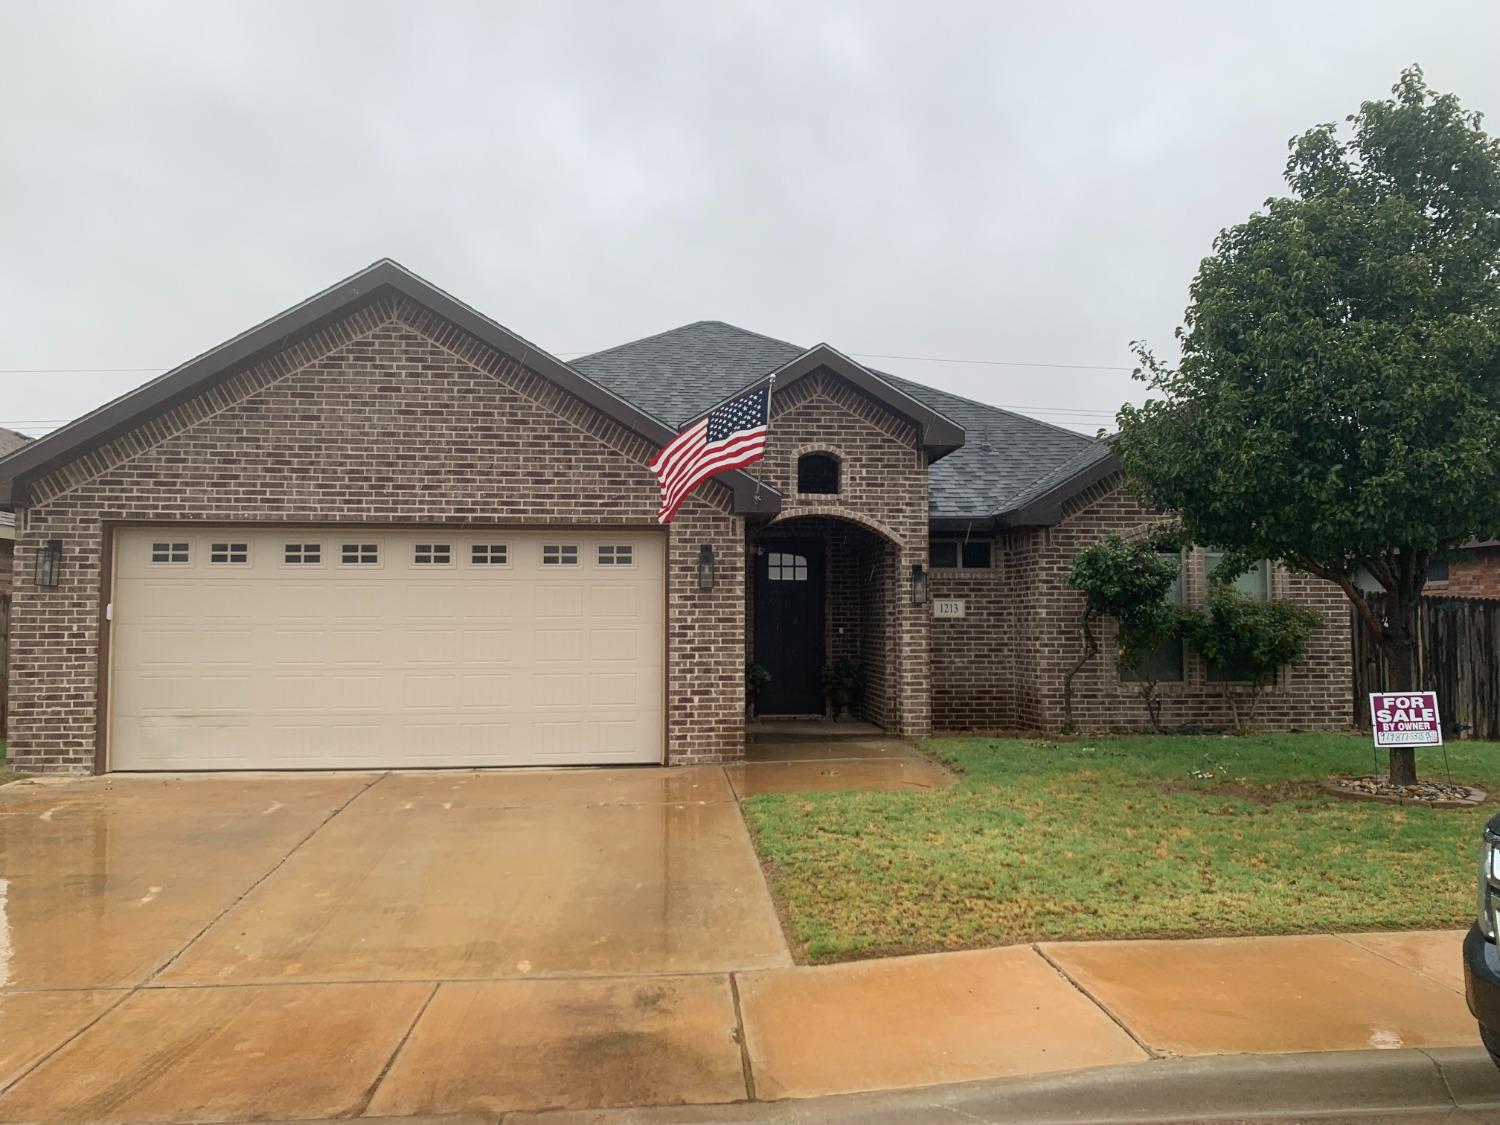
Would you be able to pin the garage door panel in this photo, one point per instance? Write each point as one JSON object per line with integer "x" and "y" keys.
{"x": 279, "y": 664}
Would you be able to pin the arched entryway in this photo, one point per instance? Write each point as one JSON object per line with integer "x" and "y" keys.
{"x": 823, "y": 592}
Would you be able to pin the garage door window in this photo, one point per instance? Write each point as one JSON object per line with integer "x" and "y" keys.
{"x": 302, "y": 554}
{"x": 169, "y": 553}
{"x": 233, "y": 554}
{"x": 359, "y": 554}
{"x": 432, "y": 554}
{"x": 559, "y": 555}
{"x": 616, "y": 555}
{"x": 489, "y": 554}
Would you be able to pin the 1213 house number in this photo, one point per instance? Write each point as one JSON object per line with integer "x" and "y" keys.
{"x": 947, "y": 607}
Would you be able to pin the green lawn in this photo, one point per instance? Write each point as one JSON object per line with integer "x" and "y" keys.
{"x": 5, "y": 774}
{"x": 1120, "y": 837}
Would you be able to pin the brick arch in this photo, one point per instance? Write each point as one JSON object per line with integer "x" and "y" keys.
{"x": 837, "y": 512}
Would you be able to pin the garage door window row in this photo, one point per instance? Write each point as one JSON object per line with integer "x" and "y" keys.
{"x": 360, "y": 554}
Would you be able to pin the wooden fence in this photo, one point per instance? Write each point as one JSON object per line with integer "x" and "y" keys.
{"x": 1458, "y": 647}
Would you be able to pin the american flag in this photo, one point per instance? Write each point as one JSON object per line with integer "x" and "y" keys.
{"x": 730, "y": 437}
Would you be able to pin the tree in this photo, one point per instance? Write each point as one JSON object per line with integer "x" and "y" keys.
{"x": 1335, "y": 406}
{"x": 1250, "y": 640}
{"x": 1129, "y": 580}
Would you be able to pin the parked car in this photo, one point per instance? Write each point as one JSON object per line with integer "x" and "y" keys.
{"x": 1481, "y": 955}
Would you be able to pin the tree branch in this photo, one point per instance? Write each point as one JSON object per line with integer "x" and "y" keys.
{"x": 1345, "y": 583}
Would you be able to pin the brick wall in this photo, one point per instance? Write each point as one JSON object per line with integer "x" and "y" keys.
{"x": 390, "y": 415}
{"x": 882, "y": 492}
{"x": 1016, "y": 679}
{"x": 1474, "y": 573}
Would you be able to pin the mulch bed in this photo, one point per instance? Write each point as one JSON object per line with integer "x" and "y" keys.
{"x": 1432, "y": 794}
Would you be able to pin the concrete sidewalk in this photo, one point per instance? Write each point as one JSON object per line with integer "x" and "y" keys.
{"x": 302, "y": 1051}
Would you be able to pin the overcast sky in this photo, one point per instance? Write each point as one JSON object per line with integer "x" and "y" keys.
{"x": 1027, "y": 183}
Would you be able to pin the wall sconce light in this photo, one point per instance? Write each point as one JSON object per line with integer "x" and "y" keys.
{"x": 705, "y": 567}
{"x": 918, "y": 584}
{"x": 48, "y": 563}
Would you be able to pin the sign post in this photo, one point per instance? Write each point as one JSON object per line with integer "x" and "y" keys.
{"x": 1405, "y": 718}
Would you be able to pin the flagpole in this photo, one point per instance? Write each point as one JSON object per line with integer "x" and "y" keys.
{"x": 769, "y": 388}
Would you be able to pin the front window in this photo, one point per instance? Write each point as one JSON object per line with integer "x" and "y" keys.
{"x": 1165, "y": 664}
{"x": 1254, "y": 584}
{"x": 818, "y": 473}
{"x": 945, "y": 553}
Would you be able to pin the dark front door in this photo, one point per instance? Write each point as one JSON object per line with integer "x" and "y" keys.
{"x": 789, "y": 626}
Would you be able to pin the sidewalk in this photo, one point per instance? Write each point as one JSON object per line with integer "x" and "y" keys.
{"x": 493, "y": 1047}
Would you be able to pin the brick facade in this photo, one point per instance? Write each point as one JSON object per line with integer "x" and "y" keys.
{"x": 875, "y": 531}
{"x": 392, "y": 415}
{"x": 388, "y": 416}
{"x": 1003, "y": 665}
{"x": 1472, "y": 573}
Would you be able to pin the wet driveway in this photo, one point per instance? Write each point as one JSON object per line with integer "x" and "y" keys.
{"x": 298, "y": 946}
{"x": 258, "y": 946}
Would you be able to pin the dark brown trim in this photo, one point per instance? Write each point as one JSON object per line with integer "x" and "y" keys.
{"x": 1046, "y": 509}
{"x": 939, "y": 435}
{"x": 383, "y": 278}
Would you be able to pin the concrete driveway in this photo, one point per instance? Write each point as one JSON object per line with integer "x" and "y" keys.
{"x": 227, "y": 948}
{"x": 311, "y": 946}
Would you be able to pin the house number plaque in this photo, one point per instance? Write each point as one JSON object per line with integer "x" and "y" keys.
{"x": 947, "y": 607}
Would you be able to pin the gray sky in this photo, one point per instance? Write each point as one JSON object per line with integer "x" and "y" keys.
{"x": 1029, "y": 183}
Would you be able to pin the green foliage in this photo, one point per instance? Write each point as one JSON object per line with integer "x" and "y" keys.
{"x": 1336, "y": 401}
{"x": 1123, "y": 578}
{"x": 844, "y": 678}
{"x": 757, "y": 676}
{"x": 1256, "y": 638}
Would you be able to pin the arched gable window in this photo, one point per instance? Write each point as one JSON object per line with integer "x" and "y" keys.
{"x": 818, "y": 473}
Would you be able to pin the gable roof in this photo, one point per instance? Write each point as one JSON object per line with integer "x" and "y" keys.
{"x": 384, "y": 277}
{"x": 10, "y": 441}
{"x": 681, "y": 373}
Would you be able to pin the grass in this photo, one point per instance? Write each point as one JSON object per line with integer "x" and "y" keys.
{"x": 1177, "y": 836}
{"x": 5, "y": 774}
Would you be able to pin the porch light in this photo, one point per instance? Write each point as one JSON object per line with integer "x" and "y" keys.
{"x": 705, "y": 567}
{"x": 918, "y": 584}
{"x": 48, "y": 563}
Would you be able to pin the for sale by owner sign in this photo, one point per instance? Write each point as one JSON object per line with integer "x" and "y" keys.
{"x": 1405, "y": 718}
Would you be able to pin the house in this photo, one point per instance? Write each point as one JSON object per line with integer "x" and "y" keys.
{"x": 9, "y": 441}
{"x": 1472, "y": 571}
{"x": 380, "y": 529}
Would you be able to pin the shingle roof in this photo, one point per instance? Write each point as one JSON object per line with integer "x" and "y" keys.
{"x": 10, "y": 441}
{"x": 677, "y": 374}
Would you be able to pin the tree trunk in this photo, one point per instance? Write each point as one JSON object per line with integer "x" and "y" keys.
{"x": 1090, "y": 648}
{"x": 1401, "y": 648}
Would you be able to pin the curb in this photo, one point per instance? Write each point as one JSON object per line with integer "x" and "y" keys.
{"x": 1447, "y": 1084}
{"x": 1392, "y": 1084}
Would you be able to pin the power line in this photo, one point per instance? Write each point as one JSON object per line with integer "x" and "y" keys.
{"x": 76, "y": 370}
{"x": 994, "y": 362}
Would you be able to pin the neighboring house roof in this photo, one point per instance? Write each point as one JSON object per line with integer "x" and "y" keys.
{"x": 10, "y": 441}
{"x": 1000, "y": 468}
{"x": 385, "y": 277}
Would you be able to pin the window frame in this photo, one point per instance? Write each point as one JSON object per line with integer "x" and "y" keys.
{"x": 301, "y": 560}
{"x": 489, "y": 562}
{"x": 433, "y": 561}
{"x": 614, "y": 558}
{"x": 360, "y": 563}
{"x": 229, "y": 551}
{"x": 787, "y": 566}
{"x": 961, "y": 543}
{"x": 170, "y": 548}
{"x": 837, "y": 465}
{"x": 1177, "y": 596}
{"x": 561, "y": 558}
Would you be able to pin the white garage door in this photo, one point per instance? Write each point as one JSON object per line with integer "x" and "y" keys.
{"x": 323, "y": 648}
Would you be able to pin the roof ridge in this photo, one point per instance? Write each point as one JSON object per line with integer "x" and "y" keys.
{"x": 682, "y": 328}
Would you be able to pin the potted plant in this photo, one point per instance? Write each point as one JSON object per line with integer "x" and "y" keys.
{"x": 843, "y": 681}
{"x": 756, "y": 677}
